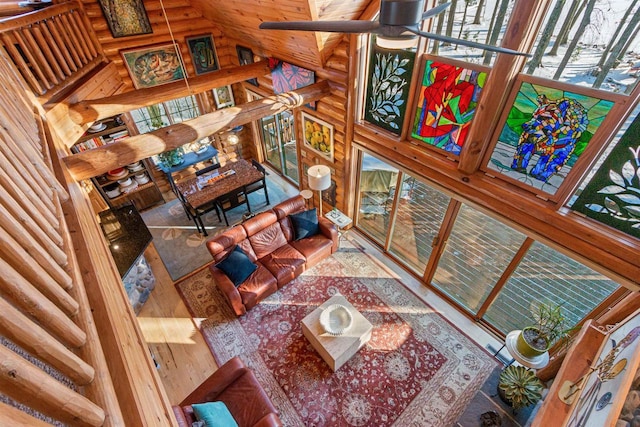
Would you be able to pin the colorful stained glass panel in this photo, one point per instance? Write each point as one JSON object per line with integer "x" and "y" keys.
{"x": 446, "y": 104}
{"x": 287, "y": 77}
{"x": 546, "y": 131}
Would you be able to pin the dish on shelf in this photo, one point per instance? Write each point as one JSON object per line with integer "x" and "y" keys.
{"x": 112, "y": 190}
{"x": 129, "y": 188}
{"x": 336, "y": 319}
{"x": 124, "y": 182}
{"x": 97, "y": 128}
{"x": 141, "y": 178}
{"x": 134, "y": 169}
{"x": 119, "y": 172}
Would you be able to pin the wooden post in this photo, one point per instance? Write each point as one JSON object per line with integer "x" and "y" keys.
{"x": 526, "y": 19}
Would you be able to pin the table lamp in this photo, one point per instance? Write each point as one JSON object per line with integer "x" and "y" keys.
{"x": 319, "y": 179}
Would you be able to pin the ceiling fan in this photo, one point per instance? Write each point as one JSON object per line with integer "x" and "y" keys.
{"x": 398, "y": 20}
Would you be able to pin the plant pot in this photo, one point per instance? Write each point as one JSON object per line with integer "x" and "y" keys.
{"x": 526, "y": 349}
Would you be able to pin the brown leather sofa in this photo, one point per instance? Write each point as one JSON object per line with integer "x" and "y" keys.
{"x": 267, "y": 239}
{"x": 235, "y": 385}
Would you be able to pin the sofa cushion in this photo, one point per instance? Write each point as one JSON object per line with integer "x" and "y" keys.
{"x": 305, "y": 224}
{"x": 214, "y": 414}
{"x": 257, "y": 287}
{"x": 285, "y": 263}
{"x": 237, "y": 266}
{"x": 314, "y": 248}
{"x": 268, "y": 239}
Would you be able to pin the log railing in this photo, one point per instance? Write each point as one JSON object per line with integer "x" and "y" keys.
{"x": 51, "y": 46}
{"x": 45, "y": 316}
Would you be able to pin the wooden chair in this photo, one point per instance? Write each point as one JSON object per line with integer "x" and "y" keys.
{"x": 258, "y": 185}
{"x": 231, "y": 201}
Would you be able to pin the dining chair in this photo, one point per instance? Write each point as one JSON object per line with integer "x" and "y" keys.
{"x": 259, "y": 184}
{"x": 207, "y": 169}
{"x": 232, "y": 200}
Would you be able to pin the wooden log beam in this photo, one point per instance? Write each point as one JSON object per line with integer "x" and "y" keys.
{"x": 88, "y": 164}
{"x": 31, "y": 337}
{"x": 96, "y": 109}
{"x": 10, "y": 416}
{"x": 24, "y": 382}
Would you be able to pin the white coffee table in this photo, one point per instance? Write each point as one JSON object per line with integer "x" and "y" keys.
{"x": 337, "y": 350}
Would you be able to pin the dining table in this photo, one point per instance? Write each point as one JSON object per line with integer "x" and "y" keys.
{"x": 204, "y": 189}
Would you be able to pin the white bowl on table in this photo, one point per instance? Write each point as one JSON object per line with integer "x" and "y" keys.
{"x": 336, "y": 319}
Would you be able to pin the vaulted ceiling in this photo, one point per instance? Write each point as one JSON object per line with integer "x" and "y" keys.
{"x": 239, "y": 20}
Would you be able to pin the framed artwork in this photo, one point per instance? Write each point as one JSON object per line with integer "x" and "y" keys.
{"x": 154, "y": 65}
{"x": 609, "y": 395}
{"x": 546, "y": 130}
{"x": 389, "y": 78}
{"x": 329, "y": 195}
{"x": 446, "y": 104}
{"x": 245, "y": 56}
{"x": 224, "y": 97}
{"x": 613, "y": 194}
{"x": 287, "y": 77}
{"x": 203, "y": 53}
{"x": 126, "y": 17}
{"x": 318, "y": 136}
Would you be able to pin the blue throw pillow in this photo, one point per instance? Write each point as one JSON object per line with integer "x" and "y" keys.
{"x": 305, "y": 224}
{"x": 237, "y": 266}
{"x": 214, "y": 414}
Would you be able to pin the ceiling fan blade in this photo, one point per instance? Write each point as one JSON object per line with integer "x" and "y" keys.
{"x": 435, "y": 11}
{"x": 469, "y": 43}
{"x": 324, "y": 26}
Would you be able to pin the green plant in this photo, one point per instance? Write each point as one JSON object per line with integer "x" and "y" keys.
{"x": 550, "y": 326}
{"x": 172, "y": 157}
{"x": 519, "y": 386}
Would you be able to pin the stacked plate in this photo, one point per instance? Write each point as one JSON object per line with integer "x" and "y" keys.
{"x": 135, "y": 167}
{"x": 141, "y": 178}
{"x": 116, "y": 174}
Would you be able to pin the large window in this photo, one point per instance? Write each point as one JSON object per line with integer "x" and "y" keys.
{"x": 164, "y": 114}
{"x": 478, "y": 262}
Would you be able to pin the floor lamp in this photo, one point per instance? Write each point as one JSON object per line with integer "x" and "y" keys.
{"x": 319, "y": 179}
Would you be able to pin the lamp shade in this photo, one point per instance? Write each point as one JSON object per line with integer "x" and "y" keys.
{"x": 319, "y": 177}
{"x": 399, "y": 42}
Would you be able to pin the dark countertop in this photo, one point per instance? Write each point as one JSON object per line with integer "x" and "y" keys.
{"x": 127, "y": 234}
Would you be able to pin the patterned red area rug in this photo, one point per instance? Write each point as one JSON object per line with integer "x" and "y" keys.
{"x": 417, "y": 369}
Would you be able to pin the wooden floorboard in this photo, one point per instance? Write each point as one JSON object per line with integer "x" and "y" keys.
{"x": 181, "y": 353}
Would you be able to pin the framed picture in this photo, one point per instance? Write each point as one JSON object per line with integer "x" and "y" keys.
{"x": 245, "y": 56}
{"x": 203, "y": 53}
{"x": 154, "y": 65}
{"x": 288, "y": 77}
{"x": 446, "y": 103}
{"x": 388, "y": 82}
{"x": 545, "y": 132}
{"x": 224, "y": 97}
{"x": 318, "y": 136}
{"x": 126, "y": 17}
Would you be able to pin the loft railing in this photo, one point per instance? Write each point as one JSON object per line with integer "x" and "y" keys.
{"x": 52, "y": 47}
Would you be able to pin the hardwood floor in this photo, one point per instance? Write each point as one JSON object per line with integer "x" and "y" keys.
{"x": 181, "y": 353}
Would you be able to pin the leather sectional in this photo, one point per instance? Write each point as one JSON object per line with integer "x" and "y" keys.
{"x": 268, "y": 241}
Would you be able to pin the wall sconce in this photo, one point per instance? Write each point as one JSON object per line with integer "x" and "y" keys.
{"x": 319, "y": 179}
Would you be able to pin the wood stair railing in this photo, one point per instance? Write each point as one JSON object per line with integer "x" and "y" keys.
{"x": 53, "y": 47}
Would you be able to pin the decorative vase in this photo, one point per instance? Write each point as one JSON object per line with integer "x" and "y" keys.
{"x": 526, "y": 349}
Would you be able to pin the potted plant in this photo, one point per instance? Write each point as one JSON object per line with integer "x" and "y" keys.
{"x": 172, "y": 158}
{"x": 550, "y": 327}
{"x": 519, "y": 387}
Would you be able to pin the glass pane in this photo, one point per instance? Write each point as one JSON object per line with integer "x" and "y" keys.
{"x": 270, "y": 142}
{"x": 377, "y": 183}
{"x": 477, "y": 252}
{"x": 582, "y": 43}
{"x": 545, "y": 275}
{"x": 150, "y": 118}
{"x": 182, "y": 109}
{"x": 418, "y": 219}
{"x": 480, "y": 21}
{"x": 288, "y": 137}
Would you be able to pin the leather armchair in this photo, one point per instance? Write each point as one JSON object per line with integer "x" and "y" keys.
{"x": 235, "y": 385}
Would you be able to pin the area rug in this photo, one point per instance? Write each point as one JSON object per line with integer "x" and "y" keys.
{"x": 417, "y": 369}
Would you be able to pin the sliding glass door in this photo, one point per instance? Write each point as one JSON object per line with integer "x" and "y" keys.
{"x": 279, "y": 144}
{"x": 489, "y": 269}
